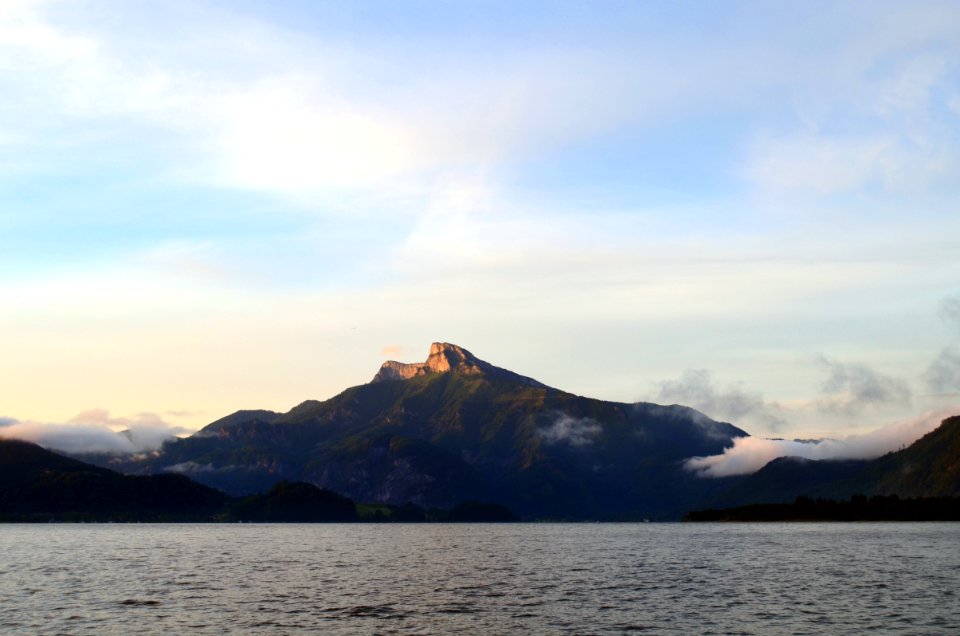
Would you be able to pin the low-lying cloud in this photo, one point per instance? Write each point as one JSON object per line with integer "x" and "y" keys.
{"x": 851, "y": 387}
{"x": 695, "y": 388}
{"x": 94, "y": 431}
{"x": 192, "y": 468}
{"x": 750, "y": 454}
{"x": 576, "y": 431}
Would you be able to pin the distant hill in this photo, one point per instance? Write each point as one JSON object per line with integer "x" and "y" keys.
{"x": 930, "y": 467}
{"x": 294, "y": 502}
{"x": 241, "y": 417}
{"x": 35, "y": 483}
{"x": 858, "y": 508}
{"x": 455, "y": 428}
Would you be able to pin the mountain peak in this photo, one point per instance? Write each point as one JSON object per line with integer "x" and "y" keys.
{"x": 447, "y": 357}
{"x": 444, "y": 357}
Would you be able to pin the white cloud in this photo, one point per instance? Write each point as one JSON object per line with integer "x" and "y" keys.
{"x": 750, "y": 454}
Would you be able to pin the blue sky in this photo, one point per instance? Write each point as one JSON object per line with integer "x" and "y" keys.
{"x": 751, "y": 208}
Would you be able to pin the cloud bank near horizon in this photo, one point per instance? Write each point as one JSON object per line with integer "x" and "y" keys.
{"x": 750, "y": 454}
{"x": 94, "y": 431}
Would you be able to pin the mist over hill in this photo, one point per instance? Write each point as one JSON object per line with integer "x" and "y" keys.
{"x": 930, "y": 467}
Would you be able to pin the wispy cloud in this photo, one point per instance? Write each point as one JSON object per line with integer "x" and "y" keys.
{"x": 749, "y": 454}
{"x": 851, "y": 387}
{"x": 943, "y": 374}
{"x": 696, "y": 388}
{"x": 950, "y": 311}
{"x": 193, "y": 468}
{"x": 823, "y": 165}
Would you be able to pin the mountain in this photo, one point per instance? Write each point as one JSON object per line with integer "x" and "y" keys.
{"x": 38, "y": 484}
{"x": 456, "y": 428}
{"x": 930, "y": 467}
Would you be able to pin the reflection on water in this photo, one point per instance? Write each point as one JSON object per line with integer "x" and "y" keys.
{"x": 549, "y": 578}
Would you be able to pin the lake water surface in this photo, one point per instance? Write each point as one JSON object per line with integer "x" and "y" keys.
{"x": 476, "y": 578}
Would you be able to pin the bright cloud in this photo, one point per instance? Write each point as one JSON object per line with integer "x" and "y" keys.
{"x": 287, "y": 134}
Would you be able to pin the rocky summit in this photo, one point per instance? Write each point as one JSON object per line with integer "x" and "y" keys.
{"x": 443, "y": 358}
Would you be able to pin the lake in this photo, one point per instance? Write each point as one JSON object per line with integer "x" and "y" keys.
{"x": 476, "y": 578}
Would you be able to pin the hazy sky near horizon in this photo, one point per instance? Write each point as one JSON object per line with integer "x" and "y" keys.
{"x": 749, "y": 208}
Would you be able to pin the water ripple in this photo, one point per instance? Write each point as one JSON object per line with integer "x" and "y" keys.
{"x": 467, "y": 579}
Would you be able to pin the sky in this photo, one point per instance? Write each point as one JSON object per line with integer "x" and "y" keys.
{"x": 748, "y": 208}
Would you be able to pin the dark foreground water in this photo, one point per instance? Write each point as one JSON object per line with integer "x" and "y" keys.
{"x": 428, "y": 579}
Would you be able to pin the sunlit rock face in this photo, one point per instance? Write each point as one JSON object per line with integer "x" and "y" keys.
{"x": 444, "y": 357}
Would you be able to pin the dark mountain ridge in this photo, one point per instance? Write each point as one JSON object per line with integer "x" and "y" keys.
{"x": 456, "y": 428}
